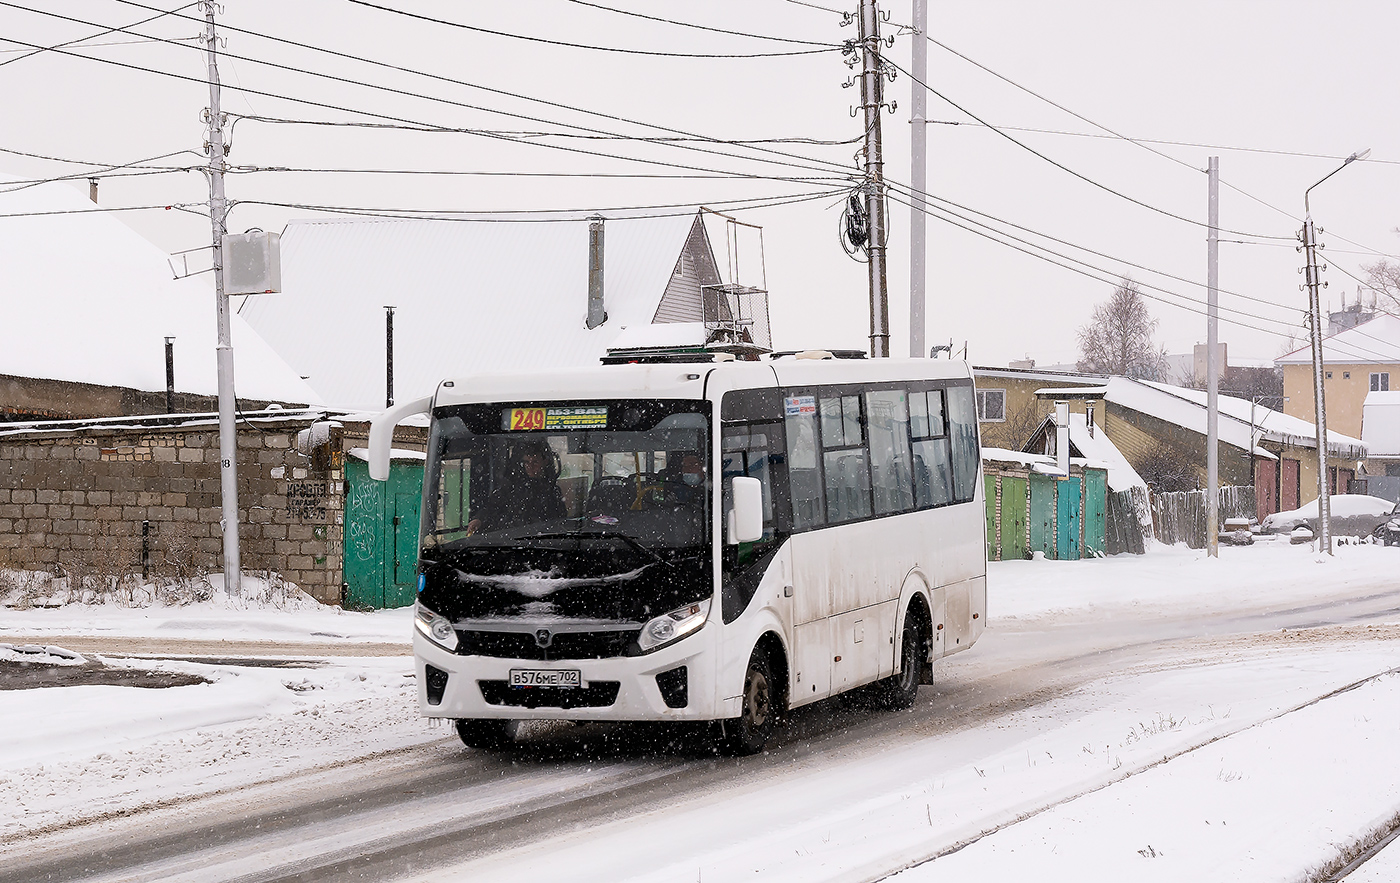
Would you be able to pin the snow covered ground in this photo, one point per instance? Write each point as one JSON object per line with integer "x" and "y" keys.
{"x": 1230, "y": 759}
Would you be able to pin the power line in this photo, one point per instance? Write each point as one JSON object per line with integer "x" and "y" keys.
{"x": 32, "y": 52}
{"x": 1067, "y": 169}
{"x": 623, "y": 213}
{"x": 1110, "y": 281}
{"x": 250, "y": 170}
{"x": 1140, "y": 142}
{"x": 1354, "y": 349}
{"x": 569, "y": 45}
{"x": 86, "y": 45}
{"x": 482, "y": 133}
{"x": 822, "y": 8}
{"x": 1168, "y": 142}
{"x": 178, "y": 206}
{"x": 503, "y": 93}
{"x": 84, "y": 162}
{"x": 522, "y": 134}
{"x": 684, "y": 24}
{"x": 929, "y": 196}
{"x": 1074, "y": 260}
{"x": 16, "y": 186}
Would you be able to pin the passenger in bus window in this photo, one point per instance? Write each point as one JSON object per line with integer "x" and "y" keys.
{"x": 530, "y": 493}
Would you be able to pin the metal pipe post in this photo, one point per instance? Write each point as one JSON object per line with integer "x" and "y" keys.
{"x": 389, "y": 356}
{"x": 1212, "y": 368}
{"x": 170, "y": 375}
{"x": 918, "y": 179}
{"x": 872, "y": 100}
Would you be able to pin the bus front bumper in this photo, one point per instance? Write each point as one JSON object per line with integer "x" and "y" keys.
{"x": 618, "y": 689}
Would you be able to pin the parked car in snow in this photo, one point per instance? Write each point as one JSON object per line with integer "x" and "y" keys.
{"x": 1356, "y": 515}
{"x": 1388, "y": 532}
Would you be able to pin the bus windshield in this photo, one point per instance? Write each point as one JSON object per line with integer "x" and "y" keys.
{"x": 595, "y": 509}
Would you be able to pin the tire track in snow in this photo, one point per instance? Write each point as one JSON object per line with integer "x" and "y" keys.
{"x": 874, "y": 875}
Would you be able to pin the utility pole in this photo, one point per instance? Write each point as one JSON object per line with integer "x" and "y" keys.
{"x": 918, "y": 179}
{"x": 1313, "y": 272}
{"x": 218, "y": 211}
{"x": 1212, "y": 361}
{"x": 389, "y": 357}
{"x": 872, "y": 101}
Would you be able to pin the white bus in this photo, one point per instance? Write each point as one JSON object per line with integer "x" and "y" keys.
{"x": 693, "y": 541}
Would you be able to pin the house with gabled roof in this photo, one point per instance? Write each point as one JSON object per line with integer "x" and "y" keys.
{"x": 88, "y": 304}
{"x": 1355, "y": 362}
{"x": 488, "y": 294}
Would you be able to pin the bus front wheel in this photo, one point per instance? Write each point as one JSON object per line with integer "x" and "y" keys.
{"x": 900, "y": 689}
{"x": 484, "y": 734}
{"x": 749, "y": 732}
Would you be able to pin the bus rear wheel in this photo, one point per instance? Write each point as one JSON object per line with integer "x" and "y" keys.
{"x": 749, "y": 732}
{"x": 899, "y": 691}
{"x": 484, "y": 734}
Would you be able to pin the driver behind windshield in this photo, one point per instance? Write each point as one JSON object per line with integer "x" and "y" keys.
{"x": 529, "y": 493}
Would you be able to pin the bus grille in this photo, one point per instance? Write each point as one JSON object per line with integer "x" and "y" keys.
{"x": 597, "y": 694}
{"x": 563, "y": 645}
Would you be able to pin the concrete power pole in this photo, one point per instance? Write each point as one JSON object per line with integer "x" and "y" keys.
{"x": 872, "y": 102}
{"x": 918, "y": 179}
{"x": 218, "y": 211}
{"x": 1324, "y": 497}
{"x": 1212, "y": 361}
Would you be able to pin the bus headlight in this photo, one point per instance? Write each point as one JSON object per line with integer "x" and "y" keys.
{"x": 673, "y": 626}
{"x": 435, "y": 628}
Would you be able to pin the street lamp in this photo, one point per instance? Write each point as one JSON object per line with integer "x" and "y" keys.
{"x": 1309, "y": 237}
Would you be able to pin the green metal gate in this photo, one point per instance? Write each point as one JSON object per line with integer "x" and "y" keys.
{"x": 1095, "y": 514}
{"x": 1013, "y": 518}
{"x": 381, "y": 535}
{"x": 1067, "y": 526}
{"x": 1042, "y": 514}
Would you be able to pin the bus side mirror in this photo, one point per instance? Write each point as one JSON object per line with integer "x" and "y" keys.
{"x": 746, "y": 518}
{"x": 381, "y": 434}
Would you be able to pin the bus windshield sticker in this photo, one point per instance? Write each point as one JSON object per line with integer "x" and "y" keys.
{"x": 795, "y": 405}
{"x": 595, "y": 417}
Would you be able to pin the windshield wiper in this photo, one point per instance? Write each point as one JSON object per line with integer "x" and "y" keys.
{"x": 605, "y": 534}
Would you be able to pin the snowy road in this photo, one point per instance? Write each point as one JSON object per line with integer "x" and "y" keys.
{"x": 1157, "y": 718}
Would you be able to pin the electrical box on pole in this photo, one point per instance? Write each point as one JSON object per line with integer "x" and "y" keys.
{"x": 252, "y": 263}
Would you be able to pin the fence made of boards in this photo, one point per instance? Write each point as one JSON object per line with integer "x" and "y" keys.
{"x": 1180, "y": 516}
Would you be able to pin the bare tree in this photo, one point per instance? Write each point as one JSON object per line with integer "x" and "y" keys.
{"x": 1118, "y": 338}
{"x": 1383, "y": 278}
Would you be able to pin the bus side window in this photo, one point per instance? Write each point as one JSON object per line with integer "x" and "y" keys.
{"x": 804, "y": 471}
{"x": 962, "y": 429}
{"x": 844, "y": 459}
{"x": 890, "y": 473}
{"x": 933, "y": 472}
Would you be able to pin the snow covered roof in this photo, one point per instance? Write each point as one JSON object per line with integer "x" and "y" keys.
{"x": 1096, "y": 446}
{"x": 87, "y": 299}
{"x": 1380, "y": 424}
{"x": 1373, "y": 342}
{"x": 1187, "y": 408}
{"x": 471, "y": 297}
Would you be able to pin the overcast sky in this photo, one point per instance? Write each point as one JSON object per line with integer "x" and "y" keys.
{"x": 1280, "y": 91}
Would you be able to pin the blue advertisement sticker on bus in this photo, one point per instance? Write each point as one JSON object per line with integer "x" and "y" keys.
{"x": 795, "y": 405}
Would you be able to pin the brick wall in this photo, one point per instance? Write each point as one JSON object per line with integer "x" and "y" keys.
{"x": 76, "y": 501}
